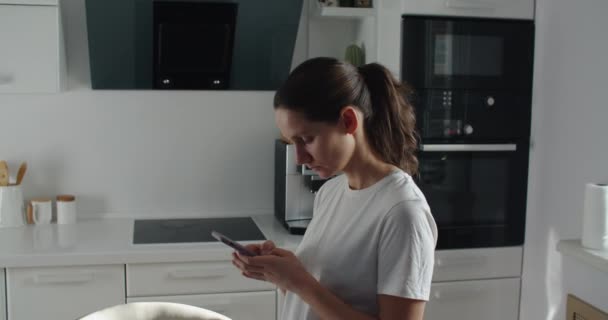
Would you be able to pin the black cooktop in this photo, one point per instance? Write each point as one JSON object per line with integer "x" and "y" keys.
{"x": 194, "y": 230}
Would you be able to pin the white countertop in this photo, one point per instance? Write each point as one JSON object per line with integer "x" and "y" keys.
{"x": 574, "y": 248}
{"x": 110, "y": 241}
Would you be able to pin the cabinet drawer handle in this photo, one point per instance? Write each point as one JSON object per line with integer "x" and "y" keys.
{"x": 64, "y": 278}
{"x": 197, "y": 273}
{"x": 458, "y": 294}
{"x": 468, "y": 147}
{"x": 6, "y": 78}
{"x": 470, "y": 4}
{"x": 460, "y": 261}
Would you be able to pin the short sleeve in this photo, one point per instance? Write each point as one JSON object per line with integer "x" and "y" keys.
{"x": 406, "y": 251}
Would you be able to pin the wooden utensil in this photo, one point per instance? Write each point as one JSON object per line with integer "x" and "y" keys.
{"x": 21, "y": 172}
{"x": 3, "y": 173}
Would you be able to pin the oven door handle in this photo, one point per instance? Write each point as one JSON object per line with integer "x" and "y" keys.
{"x": 467, "y": 147}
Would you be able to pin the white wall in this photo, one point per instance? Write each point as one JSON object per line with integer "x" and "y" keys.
{"x": 141, "y": 152}
{"x": 570, "y": 121}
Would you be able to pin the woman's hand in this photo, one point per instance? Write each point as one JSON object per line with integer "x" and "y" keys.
{"x": 261, "y": 249}
{"x": 275, "y": 265}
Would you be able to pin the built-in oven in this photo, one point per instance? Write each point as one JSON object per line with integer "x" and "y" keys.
{"x": 477, "y": 192}
{"x": 467, "y": 53}
{"x": 472, "y": 81}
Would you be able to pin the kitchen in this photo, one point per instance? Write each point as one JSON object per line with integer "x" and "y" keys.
{"x": 117, "y": 150}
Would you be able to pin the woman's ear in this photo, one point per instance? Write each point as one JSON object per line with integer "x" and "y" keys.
{"x": 349, "y": 119}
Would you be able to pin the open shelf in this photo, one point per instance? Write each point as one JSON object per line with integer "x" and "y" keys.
{"x": 343, "y": 12}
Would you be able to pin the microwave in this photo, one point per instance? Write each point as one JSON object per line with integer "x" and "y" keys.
{"x": 472, "y": 77}
{"x": 467, "y": 53}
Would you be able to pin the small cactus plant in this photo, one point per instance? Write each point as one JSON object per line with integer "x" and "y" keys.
{"x": 354, "y": 55}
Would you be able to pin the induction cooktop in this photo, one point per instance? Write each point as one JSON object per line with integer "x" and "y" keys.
{"x": 159, "y": 231}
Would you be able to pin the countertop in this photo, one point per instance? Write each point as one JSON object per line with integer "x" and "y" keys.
{"x": 574, "y": 248}
{"x": 110, "y": 241}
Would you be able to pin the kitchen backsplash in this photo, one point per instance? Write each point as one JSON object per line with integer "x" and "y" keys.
{"x": 145, "y": 153}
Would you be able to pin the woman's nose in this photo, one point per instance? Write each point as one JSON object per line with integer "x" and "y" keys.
{"x": 302, "y": 156}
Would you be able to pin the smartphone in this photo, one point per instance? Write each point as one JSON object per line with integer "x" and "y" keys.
{"x": 233, "y": 244}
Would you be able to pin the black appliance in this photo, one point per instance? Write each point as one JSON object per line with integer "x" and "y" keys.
{"x": 161, "y": 231}
{"x": 468, "y": 53}
{"x": 477, "y": 192}
{"x": 472, "y": 79}
{"x": 193, "y": 44}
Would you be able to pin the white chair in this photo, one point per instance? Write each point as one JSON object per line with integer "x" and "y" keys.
{"x": 154, "y": 311}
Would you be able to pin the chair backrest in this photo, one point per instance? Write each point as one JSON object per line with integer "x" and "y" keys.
{"x": 154, "y": 311}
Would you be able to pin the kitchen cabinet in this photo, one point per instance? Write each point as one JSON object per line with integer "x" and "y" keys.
{"x": 512, "y": 9}
{"x": 2, "y": 296}
{"x": 59, "y": 293}
{"x": 237, "y": 305}
{"x": 474, "y": 264}
{"x": 476, "y": 284}
{"x": 280, "y": 298}
{"x": 148, "y": 279}
{"x": 216, "y": 285}
{"x": 32, "y": 59}
{"x": 496, "y": 299}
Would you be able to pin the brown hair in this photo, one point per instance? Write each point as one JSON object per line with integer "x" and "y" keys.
{"x": 319, "y": 88}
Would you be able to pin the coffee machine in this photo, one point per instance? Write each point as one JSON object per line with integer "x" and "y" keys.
{"x": 294, "y": 189}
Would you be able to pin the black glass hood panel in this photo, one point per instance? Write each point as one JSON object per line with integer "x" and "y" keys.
{"x": 121, "y": 38}
{"x": 159, "y": 231}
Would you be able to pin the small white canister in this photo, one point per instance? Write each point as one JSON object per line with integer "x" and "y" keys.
{"x": 595, "y": 217}
{"x": 11, "y": 206}
{"x": 66, "y": 209}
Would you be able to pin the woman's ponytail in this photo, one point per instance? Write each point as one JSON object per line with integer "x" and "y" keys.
{"x": 391, "y": 125}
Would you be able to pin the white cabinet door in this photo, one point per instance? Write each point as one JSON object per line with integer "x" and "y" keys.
{"x": 237, "y": 306}
{"x": 63, "y": 292}
{"x": 474, "y": 264}
{"x": 31, "y": 57}
{"x": 153, "y": 279}
{"x": 496, "y": 299}
{"x": 2, "y": 296}
{"x": 515, "y": 9}
{"x": 280, "y": 299}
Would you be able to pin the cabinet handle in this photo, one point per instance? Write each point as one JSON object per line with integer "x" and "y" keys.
{"x": 468, "y": 147}
{"x": 199, "y": 273}
{"x": 64, "y": 278}
{"x": 470, "y": 4}
{"x": 458, "y": 294}
{"x": 460, "y": 261}
{"x": 6, "y": 78}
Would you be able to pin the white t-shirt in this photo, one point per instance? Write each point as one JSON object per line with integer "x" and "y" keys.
{"x": 361, "y": 243}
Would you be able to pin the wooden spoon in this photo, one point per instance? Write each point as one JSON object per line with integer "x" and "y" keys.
{"x": 21, "y": 172}
{"x": 3, "y": 173}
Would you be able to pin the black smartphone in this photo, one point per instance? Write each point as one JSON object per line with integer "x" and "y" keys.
{"x": 233, "y": 244}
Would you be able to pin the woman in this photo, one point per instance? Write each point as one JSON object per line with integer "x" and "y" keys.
{"x": 368, "y": 251}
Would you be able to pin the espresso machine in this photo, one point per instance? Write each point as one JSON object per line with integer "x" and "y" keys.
{"x": 294, "y": 189}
